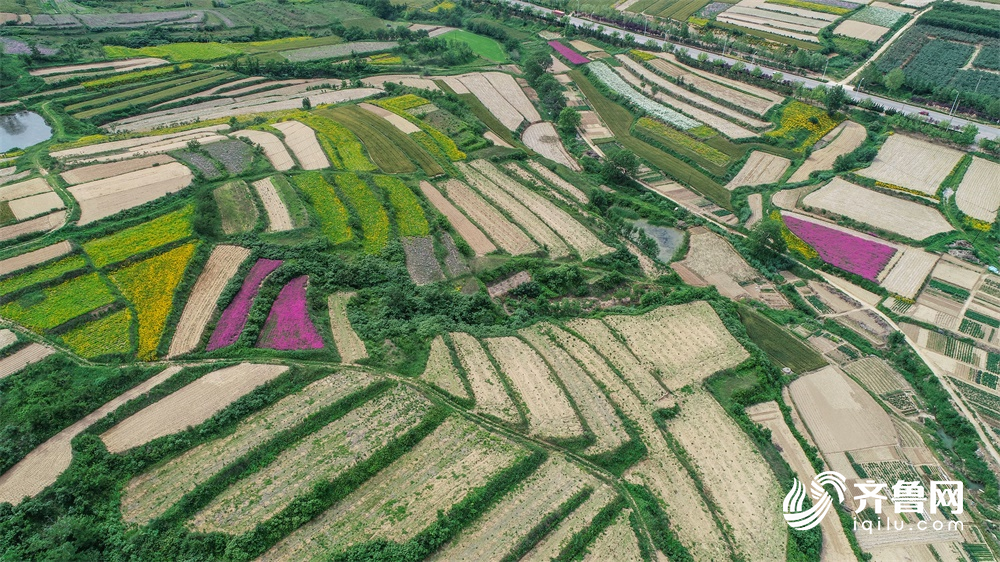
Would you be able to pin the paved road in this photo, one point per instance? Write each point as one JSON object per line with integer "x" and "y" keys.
{"x": 991, "y": 132}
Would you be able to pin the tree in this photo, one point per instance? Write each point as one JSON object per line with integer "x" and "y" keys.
{"x": 306, "y": 104}
{"x": 894, "y": 80}
{"x": 766, "y": 242}
{"x": 569, "y": 120}
{"x": 619, "y": 166}
{"x": 836, "y": 97}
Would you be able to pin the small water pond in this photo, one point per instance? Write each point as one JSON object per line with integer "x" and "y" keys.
{"x": 22, "y": 129}
{"x": 667, "y": 239}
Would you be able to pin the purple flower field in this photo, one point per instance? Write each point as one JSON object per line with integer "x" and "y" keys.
{"x": 851, "y": 253}
{"x": 571, "y": 55}
{"x": 234, "y": 317}
{"x": 288, "y": 326}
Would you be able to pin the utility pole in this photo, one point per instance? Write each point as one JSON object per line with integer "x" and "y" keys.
{"x": 824, "y": 69}
{"x": 953, "y": 105}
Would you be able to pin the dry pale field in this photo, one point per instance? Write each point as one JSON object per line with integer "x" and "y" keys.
{"x": 550, "y": 414}
{"x": 34, "y": 186}
{"x": 756, "y": 203}
{"x": 480, "y": 86}
{"x": 349, "y": 345}
{"x": 221, "y": 266}
{"x": 584, "y": 47}
{"x": 136, "y": 142}
{"x": 860, "y": 30}
{"x": 956, "y": 274}
{"x": 35, "y": 257}
{"x": 405, "y": 497}
{"x": 740, "y": 481}
{"x": 844, "y": 138}
{"x": 685, "y": 342}
{"x": 839, "y": 414}
{"x": 595, "y": 409}
{"x": 42, "y": 466}
{"x": 119, "y": 66}
{"x": 455, "y": 83}
{"x": 496, "y": 140}
{"x": 274, "y": 149}
{"x": 760, "y": 168}
{"x": 278, "y": 219}
{"x": 35, "y": 205}
{"x": 11, "y": 177}
{"x": 179, "y": 143}
{"x": 557, "y": 539}
{"x": 495, "y": 532}
{"x": 877, "y": 375}
{"x": 505, "y": 233}
{"x": 7, "y": 339}
{"x": 101, "y": 198}
{"x": 41, "y": 224}
{"x": 789, "y": 198}
{"x": 303, "y": 144}
{"x": 397, "y": 121}
{"x": 150, "y": 494}
{"x": 487, "y": 387}
{"x": 739, "y": 97}
{"x": 23, "y": 357}
{"x": 576, "y": 235}
{"x": 101, "y": 171}
{"x": 617, "y": 542}
{"x": 189, "y": 406}
{"x": 543, "y": 139}
{"x": 441, "y": 371}
{"x": 710, "y": 254}
{"x": 979, "y": 193}
{"x": 411, "y": 80}
{"x": 886, "y": 212}
{"x": 912, "y": 163}
{"x": 536, "y": 227}
{"x": 551, "y": 177}
{"x": 638, "y": 376}
{"x": 469, "y": 232}
{"x": 908, "y": 274}
{"x": 507, "y": 87}
{"x": 320, "y": 457}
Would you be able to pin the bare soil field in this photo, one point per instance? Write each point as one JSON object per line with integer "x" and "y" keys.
{"x": 507, "y": 87}
{"x": 34, "y": 186}
{"x": 35, "y": 205}
{"x": 7, "y": 339}
{"x": 487, "y": 387}
{"x": 637, "y": 375}
{"x": 278, "y": 219}
{"x": 617, "y": 542}
{"x": 498, "y": 104}
{"x": 760, "y": 168}
{"x": 320, "y": 457}
{"x": 118, "y": 65}
{"x": 912, "y": 163}
{"x": 303, "y": 144}
{"x": 557, "y": 539}
{"x": 220, "y": 268}
{"x": 23, "y": 357}
{"x": 505, "y": 233}
{"x": 411, "y": 80}
{"x": 755, "y": 99}
{"x": 979, "y": 193}
{"x": 860, "y": 30}
{"x": 877, "y": 375}
{"x": 496, "y": 140}
{"x": 406, "y": 497}
{"x": 273, "y": 148}
{"x": 595, "y": 409}
{"x": 789, "y": 198}
{"x": 909, "y": 272}
{"x": 550, "y": 414}
{"x": 950, "y": 272}
{"x": 41, "y": 224}
{"x": 105, "y": 197}
{"x": 543, "y": 139}
{"x": 839, "y": 414}
{"x": 709, "y": 254}
{"x": 35, "y": 257}
{"x": 740, "y": 481}
{"x": 100, "y": 171}
{"x": 349, "y": 345}
{"x": 756, "y": 203}
{"x": 554, "y": 179}
{"x": 469, "y": 232}
{"x": 421, "y": 263}
{"x": 402, "y": 124}
{"x": 150, "y": 494}
{"x": 685, "y": 342}
{"x": 899, "y": 216}
{"x": 137, "y": 142}
{"x": 507, "y": 284}
{"x": 843, "y": 139}
{"x": 441, "y": 371}
{"x": 41, "y": 467}
{"x": 189, "y": 406}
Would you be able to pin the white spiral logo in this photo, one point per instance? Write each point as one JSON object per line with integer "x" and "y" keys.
{"x": 803, "y": 520}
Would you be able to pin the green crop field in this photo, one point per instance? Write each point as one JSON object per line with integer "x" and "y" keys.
{"x": 236, "y": 205}
{"x": 482, "y": 46}
{"x": 48, "y": 308}
{"x": 374, "y": 220}
{"x": 141, "y": 238}
{"x": 782, "y": 347}
{"x": 393, "y": 151}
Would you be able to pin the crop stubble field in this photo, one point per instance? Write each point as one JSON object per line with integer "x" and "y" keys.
{"x": 979, "y": 193}
{"x": 349, "y": 345}
{"x": 441, "y": 371}
{"x": 278, "y": 219}
{"x": 505, "y": 233}
{"x": 912, "y": 163}
{"x": 469, "y": 232}
{"x": 487, "y": 388}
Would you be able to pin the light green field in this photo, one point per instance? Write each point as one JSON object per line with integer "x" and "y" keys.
{"x": 482, "y": 46}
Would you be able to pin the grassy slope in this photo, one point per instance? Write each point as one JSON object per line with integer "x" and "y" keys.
{"x": 783, "y": 348}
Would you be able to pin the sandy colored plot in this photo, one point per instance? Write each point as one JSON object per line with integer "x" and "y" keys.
{"x": 12, "y": 177}
{"x": 843, "y": 139}
{"x": 41, "y": 224}
{"x": 274, "y": 149}
{"x": 860, "y": 30}
{"x": 479, "y": 85}
{"x": 118, "y": 65}
{"x": 411, "y": 80}
{"x": 756, "y": 203}
{"x": 507, "y": 87}
{"x": 712, "y": 86}
{"x": 492, "y": 535}
{"x": 40, "y": 468}
{"x": 105, "y": 197}
{"x": 278, "y": 219}
{"x": 301, "y": 140}
{"x": 220, "y": 268}
{"x": 956, "y": 273}
{"x": 908, "y": 274}
{"x": 7, "y": 339}
{"x": 34, "y": 186}
{"x": 405, "y": 497}
{"x": 638, "y": 376}
{"x": 441, "y": 371}
{"x": 912, "y": 163}
{"x": 469, "y": 232}
{"x": 550, "y": 414}
{"x": 572, "y": 231}
{"x": 553, "y": 178}
{"x": 740, "y": 481}
{"x": 136, "y": 142}
{"x": 101, "y": 171}
{"x": 595, "y": 409}
{"x": 543, "y": 139}
{"x": 35, "y": 205}
{"x": 877, "y": 375}
{"x": 709, "y": 255}
{"x": 760, "y": 168}
{"x": 687, "y": 342}
{"x": 397, "y": 121}
{"x": 979, "y": 193}
{"x": 455, "y": 83}
{"x": 886, "y": 212}
{"x": 36, "y": 257}
{"x": 496, "y": 140}
{"x": 349, "y": 345}
{"x": 505, "y": 233}
{"x": 487, "y": 387}
{"x": 592, "y": 127}
{"x": 617, "y": 542}
{"x": 32, "y": 353}
{"x": 581, "y": 518}
{"x": 320, "y": 457}
{"x": 839, "y": 414}
{"x": 189, "y": 406}
{"x": 789, "y": 198}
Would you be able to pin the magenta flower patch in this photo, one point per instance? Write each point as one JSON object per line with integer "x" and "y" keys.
{"x": 234, "y": 317}
{"x": 288, "y": 326}
{"x": 571, "y": 55}
{"x": 851, "y": 253}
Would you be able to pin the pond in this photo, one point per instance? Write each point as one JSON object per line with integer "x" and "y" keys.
{"x": 667, "y": 239}
{"x": 22, "y": 129}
